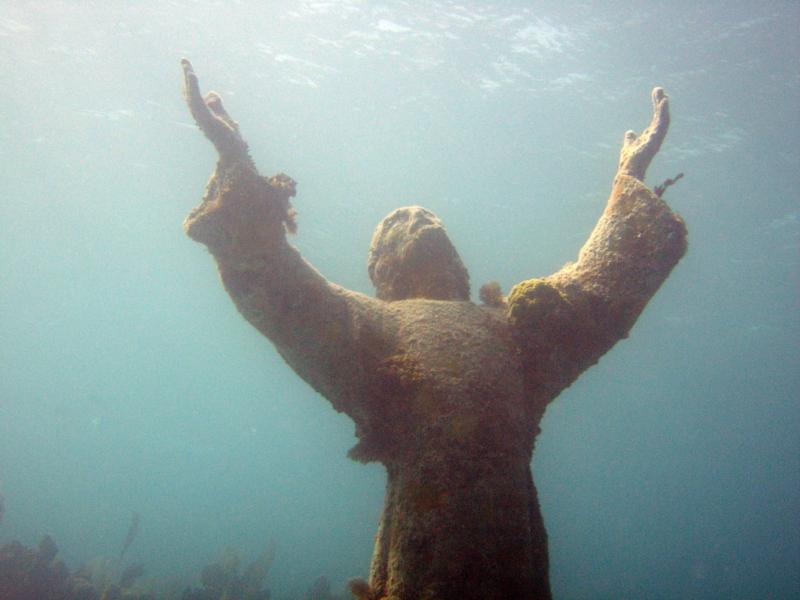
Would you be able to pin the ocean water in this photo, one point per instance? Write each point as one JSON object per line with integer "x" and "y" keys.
{"x": 128, "y": 382}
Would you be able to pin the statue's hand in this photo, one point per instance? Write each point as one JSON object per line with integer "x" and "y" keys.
{"x": 638, "y": 151}
{"x": 213, "y": 120}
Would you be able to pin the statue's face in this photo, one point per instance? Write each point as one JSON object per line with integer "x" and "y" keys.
{"x": 411, "y": 257}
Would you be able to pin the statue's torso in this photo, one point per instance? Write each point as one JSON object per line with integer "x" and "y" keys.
{"x": 451, "y": 379}
{"x": 460, "y": 502}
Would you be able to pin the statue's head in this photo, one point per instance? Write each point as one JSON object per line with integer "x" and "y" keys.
{"x": 411, "y": 257}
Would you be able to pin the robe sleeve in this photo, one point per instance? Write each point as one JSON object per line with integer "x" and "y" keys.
{"x": 563, "y": 323}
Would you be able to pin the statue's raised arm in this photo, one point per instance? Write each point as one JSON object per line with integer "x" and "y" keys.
{"x": 318, "y": 327}
{"x": 565, "y": 322}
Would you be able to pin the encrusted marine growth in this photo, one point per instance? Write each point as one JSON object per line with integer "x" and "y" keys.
{"x": 491, "y": 294}
{"x": 445, "y": 393}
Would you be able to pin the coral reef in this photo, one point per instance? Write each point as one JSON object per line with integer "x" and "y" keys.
{"x": 360, "y": 589}
{"x": 36, "y": 574}
{"x": 133, "y": 530}
{"x": 321, "y": 590}
{"x": 447, "y": 394}
{"x": 491, "y": 294}
{"x": 101, "y": 578}
{"x": 222, "y": 580}
{"x": 130, "y": 575}
{"x": 27, "y": 574}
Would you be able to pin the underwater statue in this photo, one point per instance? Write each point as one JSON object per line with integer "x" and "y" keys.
{"x": 446, "y": 394}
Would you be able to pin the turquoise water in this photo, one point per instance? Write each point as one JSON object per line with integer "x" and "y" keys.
{"x": 128, "y": 382}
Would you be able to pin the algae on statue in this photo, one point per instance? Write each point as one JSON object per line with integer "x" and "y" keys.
{"x": 445, "y": 393}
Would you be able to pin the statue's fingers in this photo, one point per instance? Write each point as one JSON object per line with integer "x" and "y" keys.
{"x": 660, "y": 121}
{"x": 214, "y": 103}
{"x": 191, "y": 86}
{"x": 651, "y": 138}
{"x": 194, "y": 99}
{"x": 219, "y": 128}
{"x": 629, "y": 138}
{"x": 187, "y": 68}
{"x": 638, "y": 150}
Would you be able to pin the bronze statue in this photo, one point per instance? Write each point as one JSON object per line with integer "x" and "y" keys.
{"x": 445, "y": 393}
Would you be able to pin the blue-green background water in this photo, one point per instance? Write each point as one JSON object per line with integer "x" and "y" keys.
{"x": 128, "y": 382}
